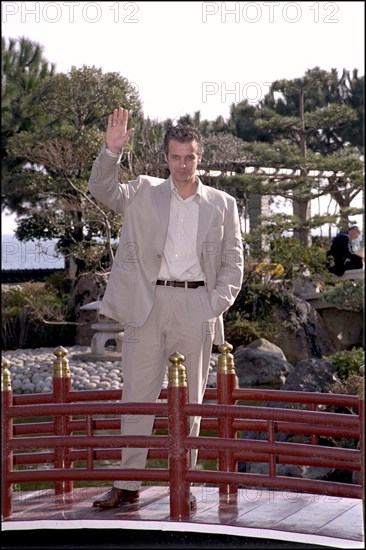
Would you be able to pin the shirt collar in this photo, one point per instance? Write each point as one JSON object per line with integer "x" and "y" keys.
{"x": 197, "y": 196}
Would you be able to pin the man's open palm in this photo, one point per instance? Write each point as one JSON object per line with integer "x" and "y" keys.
{"x": 117, "y": 134}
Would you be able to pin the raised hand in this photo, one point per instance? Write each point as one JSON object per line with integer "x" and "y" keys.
{"x": 117, "y": 134}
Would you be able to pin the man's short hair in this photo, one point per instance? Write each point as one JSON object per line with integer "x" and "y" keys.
{"x": 184, "y": 133}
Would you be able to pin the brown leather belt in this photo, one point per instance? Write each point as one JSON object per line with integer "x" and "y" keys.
{"x": 182, "y": 284}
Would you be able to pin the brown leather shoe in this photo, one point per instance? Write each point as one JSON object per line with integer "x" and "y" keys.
{"x": 192, "y": 502}
{"x": 116, "y": 497}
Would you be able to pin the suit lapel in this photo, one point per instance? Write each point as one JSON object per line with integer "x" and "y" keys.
{"x": 163, "y": 206}
{"x": 204, "y": 219}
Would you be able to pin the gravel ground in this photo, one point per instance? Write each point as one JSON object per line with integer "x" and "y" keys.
{"x": 32, "y": 370}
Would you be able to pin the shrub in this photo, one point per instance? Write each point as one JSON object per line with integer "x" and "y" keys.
{"x": 345, "y": 295}
{"x": 252, "y": 315}
{"x": 346, "y": 362}
{"x": 34, "y": 316}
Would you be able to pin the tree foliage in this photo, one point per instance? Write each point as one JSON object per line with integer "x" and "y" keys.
{"x": 326, "y": 94}
{"x": 309, "y": 126}
{"x": 23, "y": 69}
{"x": 302, "y": 141}
{"x": 50, "y": 192}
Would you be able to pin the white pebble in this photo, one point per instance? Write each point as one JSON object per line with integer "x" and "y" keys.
{"x": 32, "y": 370}
{"x": 90, "y": 386}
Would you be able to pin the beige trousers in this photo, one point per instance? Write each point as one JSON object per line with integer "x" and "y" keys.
{"x": 180, "y": 320}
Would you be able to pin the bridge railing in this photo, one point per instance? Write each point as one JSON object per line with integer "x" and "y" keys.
{"x": 60, "y": 437}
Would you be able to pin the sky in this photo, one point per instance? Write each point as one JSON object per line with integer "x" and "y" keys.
{"x": 184, "y": 57}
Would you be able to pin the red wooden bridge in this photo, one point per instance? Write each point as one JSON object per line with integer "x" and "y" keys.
{"x": 70, "y": 438}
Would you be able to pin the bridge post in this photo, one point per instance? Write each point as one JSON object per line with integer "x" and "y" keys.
{"x": 361, "y": 413}
{"x": 178, "y": 427}
{"x": 61, "y": 388}
{"x": 6, "y": 437}
{"x": 226, "y": 383}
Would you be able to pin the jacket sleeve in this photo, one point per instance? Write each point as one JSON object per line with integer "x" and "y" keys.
{"x": 230, "y": 275}
{"x": 104, "y": 183}
{"x": 340, "y": 248}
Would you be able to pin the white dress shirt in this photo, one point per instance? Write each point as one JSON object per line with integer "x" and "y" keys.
{"x": 180, "y": 261}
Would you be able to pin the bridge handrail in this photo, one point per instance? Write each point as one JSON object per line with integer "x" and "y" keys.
{"x": 66, "y": 446}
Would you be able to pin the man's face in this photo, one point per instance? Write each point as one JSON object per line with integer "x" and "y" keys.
{"x": 354, "y": 233}
{"x": 182, "y": 159}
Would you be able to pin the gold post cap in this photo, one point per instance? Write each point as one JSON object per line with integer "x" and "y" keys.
{"x": 226, "y": 359}
{"x": 362, "y": 383}
{"x": 61, "y": 363}
{"x": 5, "y": 375}
{"x": 177, "y": 372}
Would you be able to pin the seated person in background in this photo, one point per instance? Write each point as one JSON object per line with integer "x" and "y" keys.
{"x": 340, "y": 256}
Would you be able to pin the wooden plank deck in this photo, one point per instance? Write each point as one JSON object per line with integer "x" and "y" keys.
{"x": 254, "y": 519}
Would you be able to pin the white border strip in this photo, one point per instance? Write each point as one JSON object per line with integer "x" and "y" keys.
{"x": 181, "y": 526}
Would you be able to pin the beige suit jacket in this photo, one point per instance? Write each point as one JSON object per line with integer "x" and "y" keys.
{"x": 145, "y": 206}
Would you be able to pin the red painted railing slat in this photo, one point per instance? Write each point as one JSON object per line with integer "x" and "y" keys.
{"x": 69, "y": 437}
